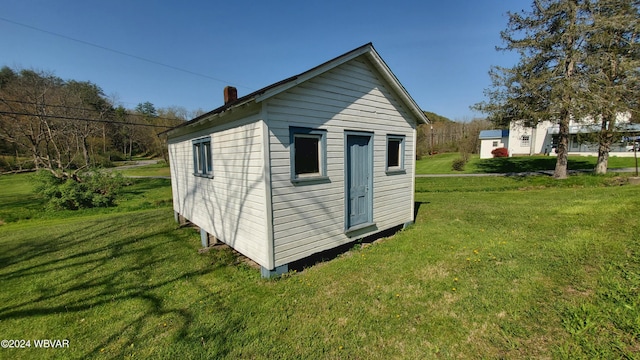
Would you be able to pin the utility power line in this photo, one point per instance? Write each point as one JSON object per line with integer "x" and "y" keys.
{"x": 83, "y": 119}
{"x": 123, "y": 53}
{"x": 79, "y": 108}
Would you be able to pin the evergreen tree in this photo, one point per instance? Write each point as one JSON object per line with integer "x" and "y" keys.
{"x": 547, "y": 83}
{"x": 579, "y": 60}
{"x": 613, "y": 66}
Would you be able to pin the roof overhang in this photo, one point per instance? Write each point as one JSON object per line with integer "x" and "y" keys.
{"x": 272, "y": 90}
{"x": 367, "y": 50}
{"x": 219, "y": 116}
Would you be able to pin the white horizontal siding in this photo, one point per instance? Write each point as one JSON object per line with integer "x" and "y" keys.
{"x": 308, "y": 218}
{"x": 232, "y": 205}
{"x": 296, "y": 241}
{"x": 290, "y": 194}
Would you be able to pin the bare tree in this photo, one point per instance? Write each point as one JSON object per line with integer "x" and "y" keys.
{"x": 43, "y": 115}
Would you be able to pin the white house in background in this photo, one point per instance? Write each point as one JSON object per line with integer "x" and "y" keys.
{"x": 301, "y": 166}
{"x": 522, "y": 139}
{"x": 527, "y": 140}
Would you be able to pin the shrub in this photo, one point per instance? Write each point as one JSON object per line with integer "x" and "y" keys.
{"x": 117, "y": 156}
{"x": 500, "y": 152}
{"x": 458, "y": 164}
{"x": 97, "y": 189}
{"x": 102, "y": 161}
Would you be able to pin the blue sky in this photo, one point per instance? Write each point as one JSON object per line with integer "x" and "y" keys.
{"x": 440, "y": 51}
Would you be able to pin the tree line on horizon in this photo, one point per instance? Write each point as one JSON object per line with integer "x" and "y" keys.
{"x": 443, "y": 135}
{"x": 66, "y": 126}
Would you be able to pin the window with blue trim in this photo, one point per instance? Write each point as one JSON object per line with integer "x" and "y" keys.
{"x": 308, "y": 152}
{"x": 202, "y": 164}
{"x": 395, "y": 153}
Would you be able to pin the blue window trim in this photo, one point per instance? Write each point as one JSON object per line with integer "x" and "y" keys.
{"x": 400, "y": 169}
{"x": 321, "y": 134}
{"x": 202, "y": 150}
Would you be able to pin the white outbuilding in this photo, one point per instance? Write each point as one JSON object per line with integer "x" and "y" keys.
{"x": 491, "y": 140}
{"x": 301, "y": 166}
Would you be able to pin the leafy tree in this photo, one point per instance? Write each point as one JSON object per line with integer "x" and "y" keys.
{"x": 147, "y": 109}
{"x": 148, "y": 136}
{"x": 85, "y": 100}
{"x": 613, "y": 66}
{"x": 66, "y": 126}
{"x": 98, "y": 189}
{"x": 121, "y": 135}
{"x": 579, "y": 60}
{"x": 28, "y": 122}
{"x": 50, "y": 120}
{"x": 171, "y": 116}
{"x": 6, "y": 76}
{"x": 444, "y": 135}
{"x": 546, "y": 83}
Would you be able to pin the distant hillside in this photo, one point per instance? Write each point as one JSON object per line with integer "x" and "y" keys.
{"x": 445, "y": 135}
{"x": 435, "y": 118}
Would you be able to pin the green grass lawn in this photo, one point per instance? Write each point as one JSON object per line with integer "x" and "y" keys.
{"x": 493, "y": 268}
{"x": 155, "y": 170}
{"x": 441, "y": 164}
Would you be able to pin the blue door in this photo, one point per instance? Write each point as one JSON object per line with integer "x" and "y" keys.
{"x": 359, "y": 176}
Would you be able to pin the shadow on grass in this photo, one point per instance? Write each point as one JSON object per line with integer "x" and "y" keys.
{"x": 526, "y": 164}
{"x": 20, "y": 208}
{"x": 78, "y": 268}
{"x": 17, "y": 200}
{"x": 333, "y": 253}
{"x": 141, "y": 186}
{"x": 30, "y": 205}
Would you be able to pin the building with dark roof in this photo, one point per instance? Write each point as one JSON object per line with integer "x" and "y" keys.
{"x": 312, "y": 162}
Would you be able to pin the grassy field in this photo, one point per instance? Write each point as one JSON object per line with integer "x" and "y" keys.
{"x": 493, "y": 268}
{"x": 441, "y": 164}
{"x": 154, "y": 170}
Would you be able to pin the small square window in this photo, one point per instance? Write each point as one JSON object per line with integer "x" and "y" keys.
{"x": 524, "y": 140}
{"x": 202, "y": 163}
{"x": 395, "y": 153}
{"x": 308, "y": 154}
{"x": 495, "y": 144}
